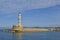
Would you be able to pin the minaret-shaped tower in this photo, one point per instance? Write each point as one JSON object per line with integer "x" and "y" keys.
{"x": 19, "y": 20}
{"x": 19, "y": 25}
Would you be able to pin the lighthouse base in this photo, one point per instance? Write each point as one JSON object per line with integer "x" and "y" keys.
{"x": 16, "y": 27}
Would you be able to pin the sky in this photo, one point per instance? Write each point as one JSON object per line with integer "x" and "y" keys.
{"x": 41, "y": 13}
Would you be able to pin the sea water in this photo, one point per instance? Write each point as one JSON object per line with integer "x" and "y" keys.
{"x": 30, "y": 36}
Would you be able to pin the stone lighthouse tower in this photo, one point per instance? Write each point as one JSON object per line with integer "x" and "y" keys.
{"x": 19, "y": 20}
{"x": 19, "y": 25}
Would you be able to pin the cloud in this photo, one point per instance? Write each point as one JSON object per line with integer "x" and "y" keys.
{"x": 10, "y": 6}
{"x": 39, "y": 4}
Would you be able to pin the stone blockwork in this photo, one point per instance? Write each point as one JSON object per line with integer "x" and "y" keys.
{"x": 16, "y": 27}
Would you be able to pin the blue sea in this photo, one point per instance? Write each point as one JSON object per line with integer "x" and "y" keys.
{"x": 30, "y": 36}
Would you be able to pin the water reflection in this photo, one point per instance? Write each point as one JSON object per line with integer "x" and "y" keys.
{"x": 17, "y": 36}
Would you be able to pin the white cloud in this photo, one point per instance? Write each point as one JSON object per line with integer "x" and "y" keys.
{"x": 39, "y": 4}
{"x": 10, "y": 6}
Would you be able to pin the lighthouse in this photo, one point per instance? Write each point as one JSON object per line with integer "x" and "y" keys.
{"x": 19, "y": 25}
{"x": 19, "y": 20}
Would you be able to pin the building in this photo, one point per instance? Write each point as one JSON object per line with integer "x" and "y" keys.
{"x": 19, "y": 25}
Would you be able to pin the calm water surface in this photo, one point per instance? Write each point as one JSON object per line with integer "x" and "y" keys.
{"x": 30, "y": 36}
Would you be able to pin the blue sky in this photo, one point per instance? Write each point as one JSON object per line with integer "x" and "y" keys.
{"x": 42, "y": 13}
